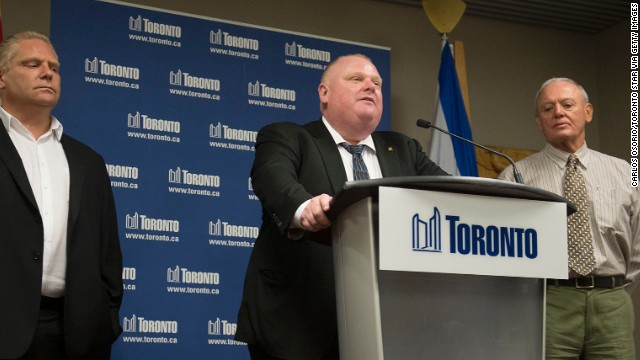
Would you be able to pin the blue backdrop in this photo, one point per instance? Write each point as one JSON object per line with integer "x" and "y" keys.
{"x": 173, "y": 102}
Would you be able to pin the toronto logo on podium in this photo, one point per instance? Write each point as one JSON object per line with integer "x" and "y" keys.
{"x": 427, "y": 235}
{"x": 471, "y": 239}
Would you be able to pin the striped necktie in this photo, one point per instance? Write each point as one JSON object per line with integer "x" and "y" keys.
{"x": 359, "y": 168}
{"x": 581, "y": 257}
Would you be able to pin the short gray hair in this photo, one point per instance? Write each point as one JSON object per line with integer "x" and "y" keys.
{"x": 330, "y": 65}
{"x": 8, "y": 48}
{"x": 563, "y": 79}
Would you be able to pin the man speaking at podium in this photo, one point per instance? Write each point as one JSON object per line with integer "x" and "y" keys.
{"x": 590, "y": 315}
{"x": 288, "y": 309}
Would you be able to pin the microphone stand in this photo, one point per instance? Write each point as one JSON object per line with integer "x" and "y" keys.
{"x": 516, "y": 174}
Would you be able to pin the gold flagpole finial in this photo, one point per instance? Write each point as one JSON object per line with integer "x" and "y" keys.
{"x": 444, "y": 14}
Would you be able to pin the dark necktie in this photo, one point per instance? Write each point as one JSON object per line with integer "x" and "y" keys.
{"x": 359, "y": 168}
{"x": 581, "y": 256}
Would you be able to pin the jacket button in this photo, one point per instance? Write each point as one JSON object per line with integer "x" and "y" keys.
{"x": 277, "y": 220}
{"x": 36, "y": 256}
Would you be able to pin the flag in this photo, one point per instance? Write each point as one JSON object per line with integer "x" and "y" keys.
{"x": 454, "y": 156}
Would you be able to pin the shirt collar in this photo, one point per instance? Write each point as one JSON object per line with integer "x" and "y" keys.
{"x": 56, "y": 127}
{"x": 10, "y": 122}
{"x": 560, "y": 157}
{"x": 337, "y": 138}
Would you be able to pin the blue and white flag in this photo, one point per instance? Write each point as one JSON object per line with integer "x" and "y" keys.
{"x": 454, "y": 156}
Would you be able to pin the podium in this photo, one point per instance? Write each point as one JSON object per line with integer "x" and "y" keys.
{"x": 411, "y": 313}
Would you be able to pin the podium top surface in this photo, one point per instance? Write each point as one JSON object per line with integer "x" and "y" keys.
{"x": 354, "y": 191}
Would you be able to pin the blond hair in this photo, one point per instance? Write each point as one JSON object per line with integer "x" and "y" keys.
{"x": 8, "y": 48}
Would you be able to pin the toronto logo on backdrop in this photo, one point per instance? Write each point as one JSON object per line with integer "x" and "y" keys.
{"x": 302, "y": 52}
{"x": 222, "y": 131}
{"x": 221, "y": 327}
{"x": 140, "y": 324}
{"x": 270, "y": 92}
{"x": 224, "y": 38}
{"x": 183, "y": 78}
{"x": 102, "y": 67}
{"x": 145, "y": 25}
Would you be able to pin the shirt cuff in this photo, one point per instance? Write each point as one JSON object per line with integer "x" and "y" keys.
{"x": 295, "y": 230}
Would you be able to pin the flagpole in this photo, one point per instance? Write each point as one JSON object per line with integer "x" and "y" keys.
{"x": 461, "y": 69}
{"x": 452, "y": 106}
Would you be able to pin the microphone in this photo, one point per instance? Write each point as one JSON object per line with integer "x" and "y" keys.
{"x": 516, "y": 174}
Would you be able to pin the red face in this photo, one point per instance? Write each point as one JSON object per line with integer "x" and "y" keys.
{"x": 562, "y": 114}
{"x": 32, "y": 78}
{"x": 351, "y": 95}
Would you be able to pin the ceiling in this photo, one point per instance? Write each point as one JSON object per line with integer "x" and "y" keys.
{"x": 585, "y": 16}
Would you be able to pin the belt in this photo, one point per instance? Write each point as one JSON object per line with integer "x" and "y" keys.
{"x": 50, "y": 303}
{"x": 589, "y": 282}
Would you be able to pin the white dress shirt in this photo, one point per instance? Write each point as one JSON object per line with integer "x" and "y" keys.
{"x": 46, "y": 166}
{"x": 614, "y": 206}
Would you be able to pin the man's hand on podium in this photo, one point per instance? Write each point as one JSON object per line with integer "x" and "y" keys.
{"x": 314, "y": 216}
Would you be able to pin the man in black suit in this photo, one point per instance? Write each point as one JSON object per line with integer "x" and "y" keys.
{"x": 61, "y": 272}
{"x": 288, "y": 309}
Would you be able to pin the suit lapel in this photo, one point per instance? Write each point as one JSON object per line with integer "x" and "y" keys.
{"x": 329, "y": 154}
{"x": 387, "y": 156}
{"x": 10, "y": 157}
{"x": 76, "y": 181}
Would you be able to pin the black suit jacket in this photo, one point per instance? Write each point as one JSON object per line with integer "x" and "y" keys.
{"x": 288, "y": 306}
{"x": 94, "y": 263}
